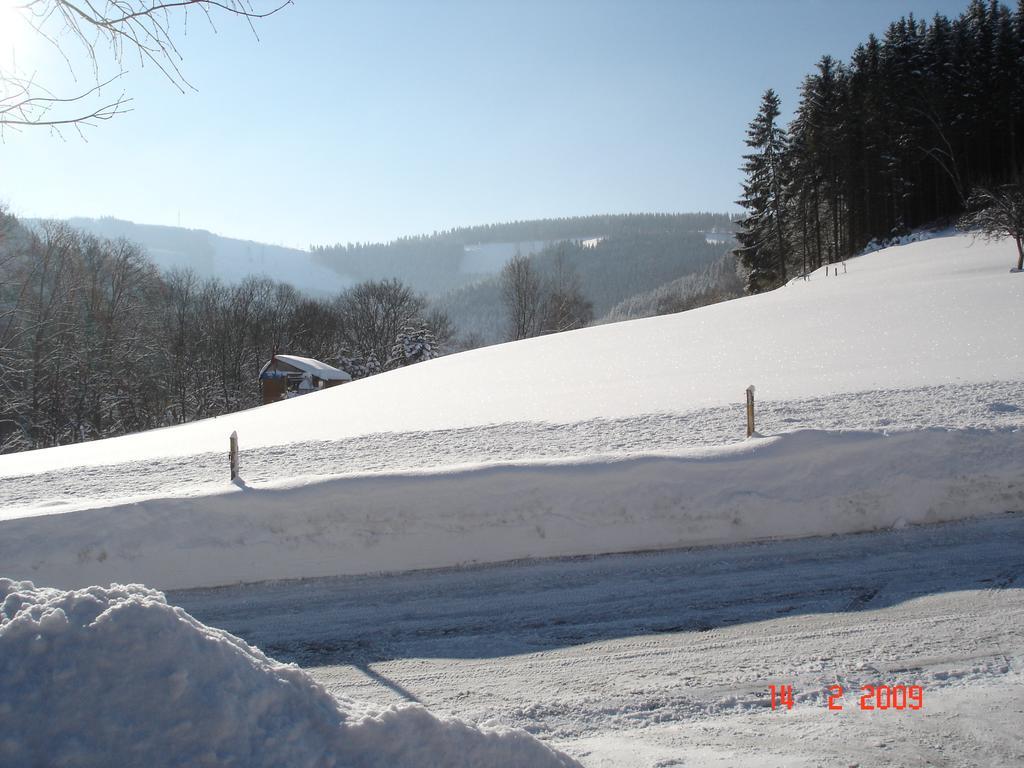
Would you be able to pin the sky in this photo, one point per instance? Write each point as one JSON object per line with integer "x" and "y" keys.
{"x": 366, "y": 121}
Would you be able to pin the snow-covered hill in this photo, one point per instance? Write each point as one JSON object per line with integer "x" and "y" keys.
{"x": 943, "y": 311}
{"x": 873, "y": 349}
{"x": 226, "y": 258}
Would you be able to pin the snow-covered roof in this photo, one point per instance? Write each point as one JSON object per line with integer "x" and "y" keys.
{"x": 311, "y": 366}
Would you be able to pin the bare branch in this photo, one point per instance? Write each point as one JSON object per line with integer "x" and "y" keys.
{"x": 21, "y": 108}
{"x": 997, "y": 213}
{"x": 139, "y": 28}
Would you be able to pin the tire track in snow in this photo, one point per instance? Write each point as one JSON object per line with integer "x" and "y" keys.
{"x": 629, "y": 660}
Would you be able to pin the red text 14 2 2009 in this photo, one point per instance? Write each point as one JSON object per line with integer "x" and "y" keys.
{"x": 871, "y": 697}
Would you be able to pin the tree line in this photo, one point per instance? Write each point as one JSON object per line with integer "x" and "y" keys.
{"x": 603, "y": 272}
{"x": 538, "y": 303}
{"x": 435, "y": 263}
{"x": 899, "y": 137}
{"x": 96, "y": 342}
{"x": 717, "y": 282}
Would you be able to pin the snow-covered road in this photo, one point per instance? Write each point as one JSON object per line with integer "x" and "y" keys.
{"x": 665, "y": 659}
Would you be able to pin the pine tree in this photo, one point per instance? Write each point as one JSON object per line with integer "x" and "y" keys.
{"x": 762, "y": 239}
{"x": 358, "y": 366}
{"x": 414, "y": 345}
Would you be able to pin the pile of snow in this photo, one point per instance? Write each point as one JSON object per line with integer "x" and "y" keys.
{"x": 105, "y": 677}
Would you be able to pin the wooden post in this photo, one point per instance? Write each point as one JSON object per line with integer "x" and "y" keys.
{"x": 750, "y": 410}
{"x": 233, "y": 455}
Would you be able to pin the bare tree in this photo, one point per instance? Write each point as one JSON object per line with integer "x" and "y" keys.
{"x": 315, "y": 329}
{"x": 95, "y": 342}
{"x": 120, "y": 30}
{"x": 565, "y": 308}
{"x": 178, "y": 335}
{"x": 373, "y": 313}
{"x": 998, "y": 213}
{"x": 523, "y": 296}
{"x": 441, "y": 327}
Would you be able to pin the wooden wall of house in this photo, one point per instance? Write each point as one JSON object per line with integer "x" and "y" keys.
{"x": 274, "y": 389}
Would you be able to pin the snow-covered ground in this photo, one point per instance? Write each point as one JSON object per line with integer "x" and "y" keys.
{"x": 944, "y": 311}
{"x": 888, "y": 395}
{"x": 985, "y": 406}
{"x": 664, "y": 659}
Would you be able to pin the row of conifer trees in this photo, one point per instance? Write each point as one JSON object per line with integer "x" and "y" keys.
{"x": 894, "y": 139}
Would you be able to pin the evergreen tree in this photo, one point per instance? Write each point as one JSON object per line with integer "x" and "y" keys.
{"x": 891, "y": 142}
{"x": 414, "y": 345}
{"x": 359, "y": 367}
{"x": 762, "y": 250}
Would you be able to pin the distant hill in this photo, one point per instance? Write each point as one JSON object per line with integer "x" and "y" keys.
{"x": 719, "y": 281}
{"x": 227, "y": 258}
{"x": 447, "y": 261}
{"x": 617, "y": 257}
{"x": 625, "y": 257}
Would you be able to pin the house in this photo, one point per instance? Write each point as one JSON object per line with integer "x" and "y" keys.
{"x": 289, "y": 375}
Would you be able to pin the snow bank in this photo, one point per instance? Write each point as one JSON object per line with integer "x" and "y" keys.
{"x": 105, "y": 677}
{"x": 935, "y": 312}
{"x": 797, "y": 484}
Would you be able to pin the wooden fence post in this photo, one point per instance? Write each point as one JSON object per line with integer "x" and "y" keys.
{"x": 233, "y": 455}
{"x": 750, "y": 410}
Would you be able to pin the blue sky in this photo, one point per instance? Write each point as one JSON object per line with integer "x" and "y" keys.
{"x": 365, "y": 121}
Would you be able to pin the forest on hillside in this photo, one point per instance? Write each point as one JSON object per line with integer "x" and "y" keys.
{"x": 894, "y": 139}
{"x": 719, "y": 281}
{"x": 607, "y": 272}
{"x": 434, "y": 264}
{"x": 96, "y": 341}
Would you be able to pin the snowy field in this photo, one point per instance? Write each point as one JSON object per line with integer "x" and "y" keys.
{"x": 889, "y": 396}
